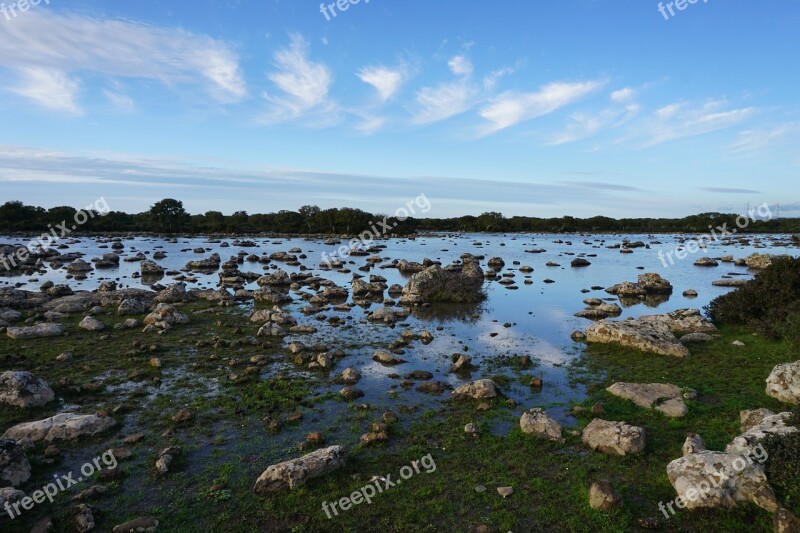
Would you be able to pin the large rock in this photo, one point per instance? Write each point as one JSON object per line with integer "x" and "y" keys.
{"x": 613, "y": 438}
{"x": 150, "y": 268}
{"x": 717, "y": 479}
{"x": 651, "y": 337}
{"x": 64, "y": 426}
{"x": 173, "y": 294}
{"x": 436, "y": 284}
{"x": 23, "y": 389}
{"x": 537, "y": 422}
{"x": 682, "y": 321}
{"x": 747, "y": 442}
{"x": 783, "y": 383}
{"x": 667, "y": 399}
{"x": 131, "y": 306}
{"x": 90, "y": 323}
{"x": 478, "y": 390}
{"x": 653, "y": 283}
{"x": 279, "y": 278}
{"x": 164, "y": 316}
{"x": 48, "y": 329}
{"x": 295, "y": 473}
{"x": 14, "y": 467}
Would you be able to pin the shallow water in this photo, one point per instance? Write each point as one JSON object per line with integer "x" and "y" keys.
{"x": 540, "y": 314}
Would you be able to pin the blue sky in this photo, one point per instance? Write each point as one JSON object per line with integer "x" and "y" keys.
{"x": 576, "y": 107}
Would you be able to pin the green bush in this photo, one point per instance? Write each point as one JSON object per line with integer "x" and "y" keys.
{"x": 783, "y": 464}
{"x": 770, "y": 303}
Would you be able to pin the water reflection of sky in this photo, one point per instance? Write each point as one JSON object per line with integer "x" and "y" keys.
{"x": 540, "y": 314}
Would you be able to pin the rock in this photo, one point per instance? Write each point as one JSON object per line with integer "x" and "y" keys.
{"x": 690, "y": 338}
{"x": 64, "y": 426}
{"x": 693, "y": 444}
{"x": 753, "y": 417}
{"x": 141, "y": 524}
{"x": 432, "y": 387}
{"x": 759, "y": 261}
{"x": 668, "y": 399}
{"x": 385, "y": 358}
{"x": 505, "y": 492}
{"x": 34, "y": 332}
{"x": 91, "y": 324}
{"x": 131, "y": 306}
{"x": 374, "y": 437}
{"x": 682, "y": 321}
{"x": 690, "y": 293}
{"x": 737, "y": 343}
{"x": 295, "y": 473}
{"x": 784, "y": 521}
{"x": 9, "y": 495}
{"x": 165, "y": 459}
{"x": 271, "y": 296}
{"x": 164, "y": 316}
{"x": 173, "y": 294}
{"x": 614, "y": 438}
{"x": 478, "y": 390}
{"x": 150, "y": 268}
{"x": 747, "y": 442}
{"x": 783, "y": 383}
{"x": 603, "y": 497}
{"x": 653, "y": 283}
{"x": 579, "y": 262}
{"x": 349, "y": 376}
{"x": 23, "y": 389}
{"x": 351, "y": 393}
{"x": 578, "y": 336}
{"x": 84, "y": 519}
{"x": 537, "y": 422}
{"x": 14, "y": 466}
{"x": 716, "y": 479}
{"x": 706, "y": 262}
{"x": 436, "y": 284}
{"x": 462, "y": 363}
{"x": 645, "y": 336}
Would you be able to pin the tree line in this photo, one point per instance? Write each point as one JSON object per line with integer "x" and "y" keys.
{"x": 170, "y": 216}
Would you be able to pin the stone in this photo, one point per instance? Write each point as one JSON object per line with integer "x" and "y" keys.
{"x": 614, "y": 438}
{"x": 505, "y": 492}
{"x": 143, "y": 524}
{"x": 784, "y": 521}
{"x": 783, "y": 383}
{"x": 37, "y": 331}
{"x": 645, "y": 336}
{"x": 23, "y": 389}
{"x": 537, "y": 422}
{"x": 295, "y": 473}
{"x": 603, "y": 497}
{"x": 436, "y": 284}
{"x": 385, "y": 358}
{"x": 682, "y": 321}
{"x": 91, "y": 324}
{"x": 14, "y": 466}
{"x": 478, "y": 390}
{"x": 750, "y": 418}
{"x": 667, "y": 399}
{"x": 64, "y": 426}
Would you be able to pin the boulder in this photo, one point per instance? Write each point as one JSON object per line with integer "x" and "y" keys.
{"x": 537, "y": 422}
{"x": 747, "y": 442}
{"x": 653, "y": 283}
{"x": 645, "y": 336}
{"x": 23, "y": 389}
{"x": 14, "y": 467}
{"x": 603, "y": 497}
{"x": 614, "y": 438}
{"x": 295, "y": 473}
{"x": 91, "y": 324}
{"x": 682, "y": 321}
{"x": 48, "y": 329}
{"x": 478, "y": 390}
{"x": 436, "y": 284}
{"x": 131, "y": 306}
{"x": 173, "y": 294}
{"x": 783, "y": 383}
{"x": 164, "y": 316}
{"x": 667, "y": 399}
{"x": 64, "y": 426}
{"x": 150, "y": 268}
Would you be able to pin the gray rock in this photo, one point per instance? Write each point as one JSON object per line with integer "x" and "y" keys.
{"x": 23, "y": 389}
{"x": 295, "y": 473}
{"x": 36, "y": 331}
{"x": 14, "y": 466}
{"x": 537, "y": 422}
{"x": 478, "y": 390}
{"x": 783, "y": 383}
{"x": 614, "y": 438}
{"x": 64, "y": 426}
{"x": 667, "y": 399}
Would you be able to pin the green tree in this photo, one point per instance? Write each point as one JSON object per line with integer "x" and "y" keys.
{"x": 168, "y": 215}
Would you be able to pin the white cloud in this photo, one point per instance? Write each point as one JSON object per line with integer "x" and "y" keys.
{"x": 49, "y": 88}
{"x": 443, "y": 101}
{"x": 681, "y": 120}
{"x": 756, "y": 142}
{"x": 74, "y": 44}
{"x": 386, "y": 81}
{"x": 461, "y": 66}
{"x": 510, "y": 108}
{"x": 583, "y": 125}
{"x": 622, "y": 95}
{"x": 304, "y": 87}
{"x": 490, "y": 81}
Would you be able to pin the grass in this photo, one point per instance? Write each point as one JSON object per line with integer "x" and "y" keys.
{"x": 227, "y": 445}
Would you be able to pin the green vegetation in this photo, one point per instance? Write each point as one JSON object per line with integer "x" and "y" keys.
{"x": 169, "y": 215}
{"x": 770, "y": 303}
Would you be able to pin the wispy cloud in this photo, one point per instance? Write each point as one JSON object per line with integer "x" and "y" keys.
{"x": 510, "y": 109}
{"x": 728, "y": 190}
{"x": 303, "y": 87}
{"x": 386, "y": 81}
{"x": 461, "y": 66}
{"x": 756, "y": 142}
{"x": 57, "y": 50}
{"x": 680, "y": 120}
{"x": 582, "y": 125}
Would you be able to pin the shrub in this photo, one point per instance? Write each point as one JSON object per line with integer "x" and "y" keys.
{"x": 783, "y": 464}
{"x": 770, "y": 303}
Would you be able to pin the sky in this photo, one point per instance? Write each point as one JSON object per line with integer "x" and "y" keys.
{"x": 576, "y": 107}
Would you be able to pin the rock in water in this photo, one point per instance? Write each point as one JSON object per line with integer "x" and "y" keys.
{"x": 436, "y": 284}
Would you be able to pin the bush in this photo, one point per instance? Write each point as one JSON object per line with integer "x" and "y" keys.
{"x": 770, "y": 303}
{"x": 783, "y": 464}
